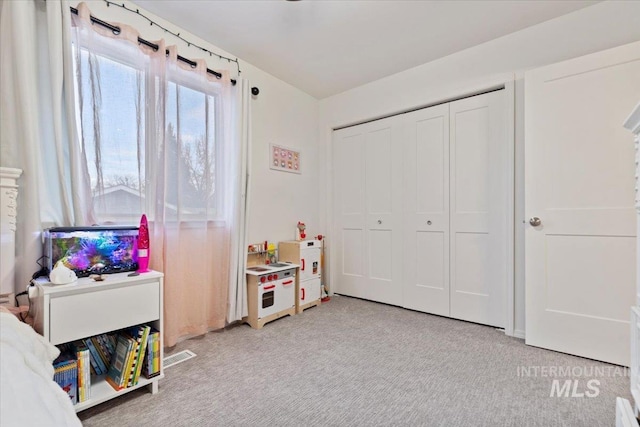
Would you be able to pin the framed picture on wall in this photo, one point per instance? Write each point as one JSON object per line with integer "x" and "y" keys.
{"x": 284, "y": 159}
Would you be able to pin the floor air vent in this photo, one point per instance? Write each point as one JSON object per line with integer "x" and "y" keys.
{"x": 179, "y": 357}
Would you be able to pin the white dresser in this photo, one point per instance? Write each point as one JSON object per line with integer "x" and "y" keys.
{"x": 624, "y": 417}
{"x": 84, "y": 308}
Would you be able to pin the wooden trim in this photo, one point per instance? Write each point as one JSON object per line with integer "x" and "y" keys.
{"x": 301, "y": 308}
{"x": 256, "y": 323}
{"x": 511, "y": 207}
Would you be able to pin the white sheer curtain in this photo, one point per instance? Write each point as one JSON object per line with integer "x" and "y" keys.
{"x": 36, "y": 114}
{"x": 160, "y": 137}
{"x": 242, "y": 140}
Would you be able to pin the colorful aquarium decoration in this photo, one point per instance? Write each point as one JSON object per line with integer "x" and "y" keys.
{"x": 93, "y": 250}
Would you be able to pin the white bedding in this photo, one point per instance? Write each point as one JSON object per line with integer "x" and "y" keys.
{"x": 28, "y": 394}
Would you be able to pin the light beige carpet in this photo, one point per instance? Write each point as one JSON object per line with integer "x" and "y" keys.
{"x": 351, "y": 362}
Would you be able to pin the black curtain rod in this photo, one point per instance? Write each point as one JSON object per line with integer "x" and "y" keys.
{"x": 116, "y": 31}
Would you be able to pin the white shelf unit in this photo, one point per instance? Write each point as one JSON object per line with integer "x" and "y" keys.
{"x": 65, "y": 313}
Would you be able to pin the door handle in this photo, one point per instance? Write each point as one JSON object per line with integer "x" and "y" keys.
{"x": 303, "y": 294}
{"x": 379, "y": 221}
{"x": 535, "y": 221}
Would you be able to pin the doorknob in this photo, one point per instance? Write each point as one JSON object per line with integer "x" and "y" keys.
{"x": 535, "y": 221}
{"x": 379, "y": 221}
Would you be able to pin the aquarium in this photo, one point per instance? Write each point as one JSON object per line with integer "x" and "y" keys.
{"x": 93, "y": 250}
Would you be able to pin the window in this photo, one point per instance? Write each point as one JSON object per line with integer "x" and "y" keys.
{"x": 190, "y": 138}
{"x": 130, "y": 164}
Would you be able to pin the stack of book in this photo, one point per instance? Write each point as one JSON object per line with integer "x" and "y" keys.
{"x": 127, "y": 360}
{"x": 120, "y": 357}
{"x": 79, "y": 352}
{"x": 65, "y": 369}
{"x": 84, "y": 372}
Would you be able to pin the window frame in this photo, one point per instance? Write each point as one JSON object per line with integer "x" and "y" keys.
{"x": 213, "y": 96}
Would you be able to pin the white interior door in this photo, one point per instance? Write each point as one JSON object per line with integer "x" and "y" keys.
{"x": 368, "y": 190}
{"x": 426, "y": 218}
{"x": 480, "y": 185}
{"x": 579, "y": 181}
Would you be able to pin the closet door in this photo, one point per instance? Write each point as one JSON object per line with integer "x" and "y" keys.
{"x": 479, "y": 207}
{"x": 426, "y": 202}
{"x": 368, "y": 204}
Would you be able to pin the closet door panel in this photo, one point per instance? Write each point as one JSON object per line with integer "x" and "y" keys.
{"x": 349, "y": 214}
{"x": 472, "y": 263}
{"x": 380, "y": 245}
{"x": 367, "y": 196}
{"x": 351, "y": 168}
{"x": 430, "y": 268}
{"x": 470, "y": 164}
{"x": 478, "y": 192}
{"x": 426, "y": 217}
{"x": 383, "y": 189}
{"x": 379, "y": 170}
{"x": 352, "y": 250}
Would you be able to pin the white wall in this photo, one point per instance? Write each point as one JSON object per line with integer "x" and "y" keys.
{"x": 588, "y": 30}
{"x": 281, "y": 114}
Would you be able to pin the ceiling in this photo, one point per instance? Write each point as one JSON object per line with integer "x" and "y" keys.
{"x": 325, "y": 47}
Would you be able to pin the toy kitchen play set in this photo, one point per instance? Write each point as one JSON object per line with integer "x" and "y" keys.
{"x": 285, "y": 285}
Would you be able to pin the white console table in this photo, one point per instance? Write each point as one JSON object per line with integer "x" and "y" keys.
{"x": 65, "y": 313}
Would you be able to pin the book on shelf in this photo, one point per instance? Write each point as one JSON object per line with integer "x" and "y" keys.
{"x": 151, "y": 362}
{"x": 132, "y": 356}
{"x": 84, "y": 373}
{"x": 96, "y": 361}
{"x": 80, "y": 352}
{"x": 100, "y": 352}
{"x": 117, "y": 374}
{"x": 141, "y": 334}
{"x": 103, "y": 351}
{"x": 121, "y": 356}
{"x": 156, "y": 355}
{"x": 108, "y": 343}
{"x": 65, "y": 374}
